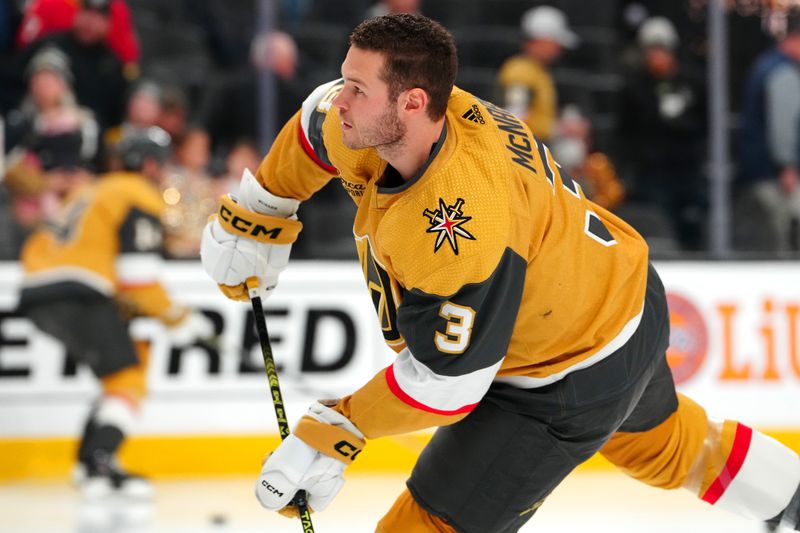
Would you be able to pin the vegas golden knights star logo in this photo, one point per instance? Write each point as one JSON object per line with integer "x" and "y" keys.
{"x": 447, "y": 221}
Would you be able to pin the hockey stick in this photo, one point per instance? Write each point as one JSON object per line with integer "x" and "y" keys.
{"x": 299, "y": 499}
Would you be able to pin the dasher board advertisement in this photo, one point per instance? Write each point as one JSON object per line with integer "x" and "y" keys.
{"x": 735, "y": 348}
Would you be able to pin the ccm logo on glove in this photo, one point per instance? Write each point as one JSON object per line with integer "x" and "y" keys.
{"x": 271, "y": 489}
{"x": 246, "y": 226}
{"x": 347, "y": 450}
{"x": 264, "y": 228}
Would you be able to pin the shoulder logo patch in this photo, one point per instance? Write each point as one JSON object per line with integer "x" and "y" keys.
{"x": 474, "y": 114}
{"x": 447, "y": 222}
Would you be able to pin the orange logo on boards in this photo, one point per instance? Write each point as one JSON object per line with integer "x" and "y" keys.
{"x": 688, "y": 338}
{"x": 750, "y": 343}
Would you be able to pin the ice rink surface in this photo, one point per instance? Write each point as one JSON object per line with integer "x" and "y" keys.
{"x": 597, "y": 502}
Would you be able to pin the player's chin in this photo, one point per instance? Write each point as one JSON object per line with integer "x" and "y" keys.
{"x": 352, "y": 142}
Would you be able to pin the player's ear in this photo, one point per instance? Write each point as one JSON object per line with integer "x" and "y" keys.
{"x": 416, "y": 100}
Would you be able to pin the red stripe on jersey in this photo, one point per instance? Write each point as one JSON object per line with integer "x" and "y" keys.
{"x": 311, "y": 153}
{"x": 741, "y": 444}
{"x": 391, "y": 381}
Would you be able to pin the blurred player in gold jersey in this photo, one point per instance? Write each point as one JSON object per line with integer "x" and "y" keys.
{"x": 90, "y": 270}
{"x": 528, "y": 323}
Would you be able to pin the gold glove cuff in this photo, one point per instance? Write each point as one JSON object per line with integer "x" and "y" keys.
{"x": 264, "y": 228}
{"x": 331, "y": 440}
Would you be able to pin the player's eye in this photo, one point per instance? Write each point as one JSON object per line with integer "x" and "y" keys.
{"x": 357, "y": 90}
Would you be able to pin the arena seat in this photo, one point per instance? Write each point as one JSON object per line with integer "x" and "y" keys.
{"x": 486, "y": 46}
{"x": 478, "y": 81}
{"x": 347, "y": 13}
{"x": 324, "y": 43}
{"x": 452, "y": 13}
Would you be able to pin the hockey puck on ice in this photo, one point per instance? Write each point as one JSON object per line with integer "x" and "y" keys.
{"x": 218, "y": 519}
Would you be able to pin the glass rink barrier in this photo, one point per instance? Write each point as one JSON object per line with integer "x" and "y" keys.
{"x": 208, "y": 422}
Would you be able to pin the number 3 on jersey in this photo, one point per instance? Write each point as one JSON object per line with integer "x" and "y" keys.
{"x": 458, "y": 329}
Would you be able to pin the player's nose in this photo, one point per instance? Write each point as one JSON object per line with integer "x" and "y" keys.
{"x": 340, "y": 101}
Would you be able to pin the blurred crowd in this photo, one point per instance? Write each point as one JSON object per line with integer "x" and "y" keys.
{"x": 618, "y": 92}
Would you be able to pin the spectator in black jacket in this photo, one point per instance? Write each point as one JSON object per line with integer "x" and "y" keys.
{"x": 230, "y": 108}
{"x": 99, "y": 82}
{"x": 663, "y": 127}
{"x": 49, "y": 106}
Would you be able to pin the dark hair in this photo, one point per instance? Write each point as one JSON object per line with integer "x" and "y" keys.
{"x": 419, "y": 52}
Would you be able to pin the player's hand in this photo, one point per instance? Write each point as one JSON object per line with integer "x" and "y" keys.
{"x": 297, "y": 466}
{"x": 251, "y": 235}
{"x": 310, "y": 460}
{"x": 230, "y": 259}
{"x": 195, "y": 326}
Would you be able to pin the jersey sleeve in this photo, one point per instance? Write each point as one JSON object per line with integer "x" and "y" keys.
{"x": 455, "y": 344}
{"x": 297, "y": 164}
{"x": 133, "y": 210}
{"x": 139, "y": 266}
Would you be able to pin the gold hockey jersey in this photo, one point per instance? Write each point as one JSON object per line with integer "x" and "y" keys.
{"x": 489, "y": 266}
{"x": 107, "y": 239}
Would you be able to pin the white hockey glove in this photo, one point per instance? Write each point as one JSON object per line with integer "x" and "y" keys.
{"x": 312, "y": 459}
{"x": 251, "y": 235}
{"x": 194, "y": 327}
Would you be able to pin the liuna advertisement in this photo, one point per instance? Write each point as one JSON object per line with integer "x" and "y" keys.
{"x": 735, "y": 348}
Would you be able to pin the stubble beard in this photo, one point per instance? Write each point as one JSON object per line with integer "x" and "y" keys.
{"x": 387, "y": 134}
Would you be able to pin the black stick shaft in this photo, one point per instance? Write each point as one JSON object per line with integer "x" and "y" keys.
{"x": 299, "y": 499}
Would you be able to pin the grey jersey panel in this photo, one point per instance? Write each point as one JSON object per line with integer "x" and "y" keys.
{"x": 495, "y": 302}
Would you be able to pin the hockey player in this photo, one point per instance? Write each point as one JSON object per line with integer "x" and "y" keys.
{"x": 87, "y": 273}
{"x": 528, "y": 323}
